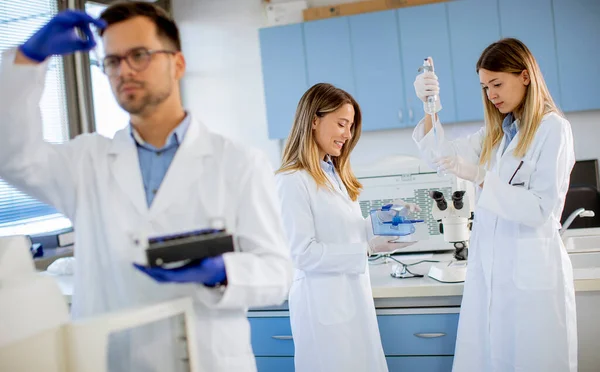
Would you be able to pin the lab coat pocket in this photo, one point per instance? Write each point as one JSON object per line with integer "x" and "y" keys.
{"x": 535, "y": 267}
{"x": 522, "y": 177}
{"x": 332, "y": 296}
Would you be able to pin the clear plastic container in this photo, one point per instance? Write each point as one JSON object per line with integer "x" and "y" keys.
{"x": 390, "y": 221}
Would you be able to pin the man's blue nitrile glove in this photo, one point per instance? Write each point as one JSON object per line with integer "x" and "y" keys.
{"x": 59, "y": 36}
{"x": 210, "y": 271}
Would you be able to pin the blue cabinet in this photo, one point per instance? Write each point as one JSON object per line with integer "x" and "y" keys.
{"x": 277, "y": 364}
{"x": 536, "y": 32}
{"x": 377, "y": 70}
{"x": 328, "y": 53}
{"x": 284, "y": 75}
{"x": 272, "y": 336}
{"x": 429, "y": 364}
{"x": 577, "y": 28}
{"x": 375, "y": 57}
{"x": 424, "y": 32}
{"x": 473, "y": 25}
{"x": 419, "y": 334}
{"x": 418, "y": 342}
{"x": 395, "y": 364}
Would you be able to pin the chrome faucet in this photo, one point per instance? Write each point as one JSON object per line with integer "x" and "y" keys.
{"x": 581, "y": 212}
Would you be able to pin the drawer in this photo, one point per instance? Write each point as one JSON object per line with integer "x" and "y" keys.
{"x": 418, "y": 334}
{"x": 419, "y": 363}
{"x": 272, "y": 336}
{"x": 275, "y": 364}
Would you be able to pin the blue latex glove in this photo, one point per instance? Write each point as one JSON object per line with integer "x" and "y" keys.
{"x": 58, "y": 36}
{"x": 210, "y": 271}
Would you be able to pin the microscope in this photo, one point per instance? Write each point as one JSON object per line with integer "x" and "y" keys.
{"x": 455, "y": 221}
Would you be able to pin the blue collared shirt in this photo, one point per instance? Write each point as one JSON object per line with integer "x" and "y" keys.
{"x": 155, "y": 162}
{"x": 329, "y": 169}
{"x": 510, "y": 126}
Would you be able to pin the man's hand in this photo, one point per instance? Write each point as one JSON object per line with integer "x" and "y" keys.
{"x": 210, "y": 272}
{"x": 59, "y": 37}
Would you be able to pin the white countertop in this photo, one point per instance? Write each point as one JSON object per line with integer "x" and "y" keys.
{"x": 385, "y": 286}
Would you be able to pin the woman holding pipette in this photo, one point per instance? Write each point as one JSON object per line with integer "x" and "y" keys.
{"x": 518, "y": 307}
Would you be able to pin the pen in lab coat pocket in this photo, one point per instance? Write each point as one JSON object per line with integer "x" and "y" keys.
{"x": 514, "y": 174}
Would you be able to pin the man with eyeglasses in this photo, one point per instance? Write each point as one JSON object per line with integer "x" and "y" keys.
{"x": 165, "y": 173}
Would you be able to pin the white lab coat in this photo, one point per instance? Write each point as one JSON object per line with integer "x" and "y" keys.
{"x": 518, "y": 307}
{"x": 96, "y": 182}
{"x": 331, "y": 303}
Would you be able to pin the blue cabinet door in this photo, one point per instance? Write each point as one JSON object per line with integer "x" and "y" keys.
{"x": 275, "y": 364}
{"x": 328, "y": 53}
{"x": 429, "y": 364}
{"x": 272, "y": 336}
{"x": 536, "y": 32}
{"x": 284, "y": 75}
{"x": 418, "y": 334}
{"x": 419, "y": 42}
{"x": 377, "y": 70}
{"x": 473, "y": 25}
{"x": 577, "y": 27}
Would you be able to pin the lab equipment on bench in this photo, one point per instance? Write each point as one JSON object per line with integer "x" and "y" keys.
{"x": 412, "y": 180}
{"x": 455, "y": 220}
{"x": 36, "y": 333}
{"x": 180, "y": 249}
{"x": 394, "y": 220}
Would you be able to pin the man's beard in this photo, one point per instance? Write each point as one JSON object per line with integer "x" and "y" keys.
{"x": 145, "y": 103}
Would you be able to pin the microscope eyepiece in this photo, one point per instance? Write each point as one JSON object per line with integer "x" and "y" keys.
{"x": 457, "y": 199}
{"x": 438, "y": 196}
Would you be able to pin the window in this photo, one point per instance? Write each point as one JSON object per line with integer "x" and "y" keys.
{"x": 108, "y": 115}
{"x": 18, "y": 19}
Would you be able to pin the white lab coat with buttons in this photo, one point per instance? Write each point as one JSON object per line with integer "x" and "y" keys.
{"x": 331, "y": 304}
{"x": 518, "y": 307}
{"x": 96, "y": 182}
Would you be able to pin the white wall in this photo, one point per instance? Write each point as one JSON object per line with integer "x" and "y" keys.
{"x": 223, "y": 85}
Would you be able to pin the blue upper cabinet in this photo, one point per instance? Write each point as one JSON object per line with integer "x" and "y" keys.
{"x": 284, "y": 75}
{"x": 377, "y": 70}
{"x": 577, "y": 27}
{"x": 423, "y": 33}
{"x": 328, "y": 53}
{"x": 473, "y": 25}
{"x": 536, "y": 32}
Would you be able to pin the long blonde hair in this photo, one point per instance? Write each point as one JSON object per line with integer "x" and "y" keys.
{"x": 512, "y": 56}
{"x": 301, "y": 151}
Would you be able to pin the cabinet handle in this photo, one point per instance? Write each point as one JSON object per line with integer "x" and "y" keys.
{"x": 282, "y": 337}
{"x": 400, "y": 116}
{"x": 430, "y": 335}
{"x": 410, "y": 114}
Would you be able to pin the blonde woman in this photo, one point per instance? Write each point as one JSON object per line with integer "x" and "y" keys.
{"x": 518, "y": 308}
{"x": 331, "y": 304}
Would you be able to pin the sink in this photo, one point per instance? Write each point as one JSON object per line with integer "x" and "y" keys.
{"x": 589, "y": 243}
{"x": 585, "y": 265}
{"x": 585, "y": 260}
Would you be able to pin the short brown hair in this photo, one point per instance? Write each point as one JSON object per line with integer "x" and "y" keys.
{"x": 123, "y": 11}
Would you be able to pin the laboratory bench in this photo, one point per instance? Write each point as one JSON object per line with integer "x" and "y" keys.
{"x": 417, "y": 318}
